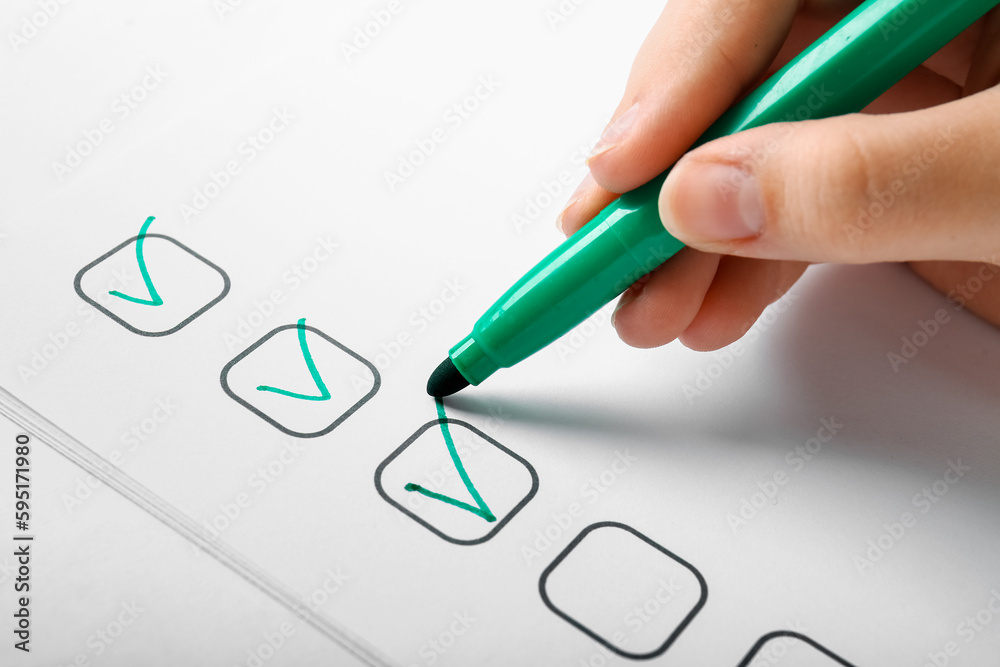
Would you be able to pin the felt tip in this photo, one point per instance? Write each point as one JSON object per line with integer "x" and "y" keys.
{"x": 446, "y": 380}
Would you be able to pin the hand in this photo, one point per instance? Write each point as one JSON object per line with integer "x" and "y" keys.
{"x": 915, "y": 180}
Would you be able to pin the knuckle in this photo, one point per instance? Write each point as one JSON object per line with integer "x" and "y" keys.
{"x": 820, "y": 185}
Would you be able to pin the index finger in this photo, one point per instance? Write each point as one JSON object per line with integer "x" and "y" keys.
{"x": 697, "y": 60}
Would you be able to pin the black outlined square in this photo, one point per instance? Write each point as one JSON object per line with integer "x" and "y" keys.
{"x": 620, "y": 567}
{"x": 790, "y": 649}
{"x": 278, "y": 360}
{"x": 190, "y": 283}
{"x": 506, "y": 481}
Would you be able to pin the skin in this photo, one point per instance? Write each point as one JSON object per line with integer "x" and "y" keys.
{"x": 803, "y": 185}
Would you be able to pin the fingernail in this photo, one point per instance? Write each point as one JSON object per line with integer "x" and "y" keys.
{"x": 581, "y": 190}
{"x": 712, "y": 202}
{"x": 628, "y": 296}
{"x": 625, "y": 299}
{"x": 616, "y": 133}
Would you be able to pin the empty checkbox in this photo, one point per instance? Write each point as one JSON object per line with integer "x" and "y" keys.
{"x": 623, "y": 589}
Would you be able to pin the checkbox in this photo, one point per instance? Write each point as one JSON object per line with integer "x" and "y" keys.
{"x": 300, "y": 380}
{"x": 623, "y": 590}
{"x": 151, "y": 284}
{"x": 785, "y": 648}
{"x": 456, "y": 481}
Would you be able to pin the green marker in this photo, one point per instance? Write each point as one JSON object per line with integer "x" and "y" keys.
{"x": 846, "y": 69}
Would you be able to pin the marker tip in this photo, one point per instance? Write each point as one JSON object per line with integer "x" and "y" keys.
{"x": 446, "y": 380}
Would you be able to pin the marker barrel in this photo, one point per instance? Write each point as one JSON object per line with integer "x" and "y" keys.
{"x": 619, "y": 246}
{"x": 844, "y": 71}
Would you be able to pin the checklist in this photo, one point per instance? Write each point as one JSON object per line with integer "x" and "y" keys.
{"x": 299, "y": 380}
{"x": 456, "y": 481}
{"x": 151, "y": 284}
{"x": 571, "y": 510}
{"x": 624, "y": 590}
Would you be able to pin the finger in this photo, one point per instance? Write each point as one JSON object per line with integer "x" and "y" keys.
{"x": 831, "y": 8}
{"x": 741, "y": 289}
{"x": 590, "y": 198}
{"x": 586, "y": 202}
{"x": 854, "y": 189}
{"x": 696, "y": 61}
{"x": 985, "y": 70}
{"x": 936, "y": 82}
{"x": 972, "y": 285}
{"x": 951, "y": 61}
{"x": 695, "y": 45}
{"x": 656, "y": 310}
{"x": 920, "y": 89}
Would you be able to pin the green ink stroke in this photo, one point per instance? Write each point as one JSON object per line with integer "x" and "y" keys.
{"x": 481, "y": 510}
{"x": 154, "y": 298}
{"x": 324, "y": 393}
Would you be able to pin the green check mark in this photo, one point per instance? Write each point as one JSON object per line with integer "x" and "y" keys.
{"x": 480, "y": 510}
{"x": 324, "y": 393}
{"x": 154, "y": 298}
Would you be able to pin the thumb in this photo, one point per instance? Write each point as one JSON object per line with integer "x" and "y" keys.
{"x": 923, "y": 185}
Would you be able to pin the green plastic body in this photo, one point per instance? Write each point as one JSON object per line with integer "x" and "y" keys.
{"x": 845, "y": 70}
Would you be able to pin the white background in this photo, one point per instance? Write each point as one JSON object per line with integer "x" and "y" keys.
{"x": 708, "y": 430}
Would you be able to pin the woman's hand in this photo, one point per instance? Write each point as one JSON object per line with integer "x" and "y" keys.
{"x": 916, "y": 180}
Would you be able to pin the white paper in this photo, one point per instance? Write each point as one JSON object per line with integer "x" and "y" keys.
{"x": 816, "y": 483}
